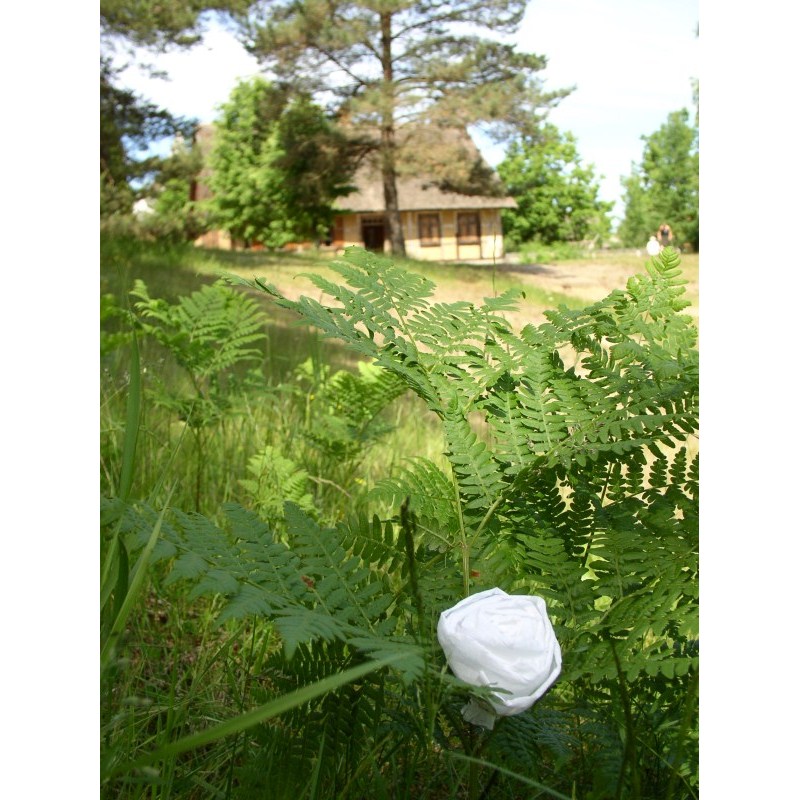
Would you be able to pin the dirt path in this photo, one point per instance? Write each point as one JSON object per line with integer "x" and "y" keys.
{"x": 594, "y": 279}
{"x": 588, "y": 280}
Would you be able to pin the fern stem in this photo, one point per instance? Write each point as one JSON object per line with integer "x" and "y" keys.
{"x": 400, "y": 317}
{"x": 487, "y": 517}
{"x": 630, "y": 732}
{"x": 320, "y": 480}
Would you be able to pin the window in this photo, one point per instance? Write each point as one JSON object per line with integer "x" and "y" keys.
{"x": 469, "y": 228}
{"x": 430, "y": 233}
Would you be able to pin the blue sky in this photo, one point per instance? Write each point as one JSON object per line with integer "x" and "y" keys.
{"x": 631, "y": 63}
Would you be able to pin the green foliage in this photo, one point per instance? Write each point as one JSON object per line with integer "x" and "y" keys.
{"x": 570, "y": 472}
{"x": 557, "y": 196}
{"x": 210, "y": 334}
{"x": 109, "y": 312}
{"x": 160, "y": 23}
{"x": 665, "y": 186}
{"x": 176, "y": 216}
{"x": 315, "y": 164}
{"x": 578, "y": 484}
{"x": 128, "y": 123}
{"x": 338, "y": 418}
{"x": 276, "y": 166}
{"x": 310, "y": 585}
{"x": 344, "y": 409}
{"x": 275, "y": 480}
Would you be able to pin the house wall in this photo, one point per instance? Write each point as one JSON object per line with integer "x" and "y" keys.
{"x": 218, "y": 239}
{"x": 347, "y": 232}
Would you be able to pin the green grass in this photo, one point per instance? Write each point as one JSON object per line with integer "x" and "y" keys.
{"x": 176, "y": 269}
{"x": 170, "y": 271}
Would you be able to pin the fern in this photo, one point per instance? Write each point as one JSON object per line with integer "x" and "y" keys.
{"x": 309, "y": 585}
{"x": 344, "y": 409}
{"x": 276, "y": 480}
{"x": 572, "y": 475}
{"x": 431, "y": 495}
{"x": 571, "y": 410}
{"x": 208, "y": 332}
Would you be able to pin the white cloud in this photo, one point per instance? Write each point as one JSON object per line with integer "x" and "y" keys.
{"x": 199, "y": 78}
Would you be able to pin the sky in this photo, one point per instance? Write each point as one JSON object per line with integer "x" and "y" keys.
{"x": 631, "y": 62}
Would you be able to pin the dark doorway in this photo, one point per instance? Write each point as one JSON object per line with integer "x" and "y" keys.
{"x": 373, "y": 232}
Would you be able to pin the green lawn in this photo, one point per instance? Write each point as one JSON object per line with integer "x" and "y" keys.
{"x": 172, "y": 270}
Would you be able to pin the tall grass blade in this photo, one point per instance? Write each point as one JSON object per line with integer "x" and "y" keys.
{"x": 117, "y": 550}
{"x": 508, "y": 773}
{"x": 131, "y": 423}
{"x": 314, "y": 788}
{"x": 258, "y": 715}
{"x": 123, "y": 576}
{"x": 136, "y": 584}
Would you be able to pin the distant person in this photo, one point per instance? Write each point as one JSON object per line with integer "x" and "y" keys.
{"x": 653, "y": 247}
{"x": 665, "y": 235}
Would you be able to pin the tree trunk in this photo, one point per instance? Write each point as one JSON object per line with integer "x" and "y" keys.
{"x": 388, "y": 146}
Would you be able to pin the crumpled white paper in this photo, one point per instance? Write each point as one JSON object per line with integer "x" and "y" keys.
{"x": 501, "y": 641}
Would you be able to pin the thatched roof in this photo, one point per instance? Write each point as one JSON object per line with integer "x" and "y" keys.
{"x": 413, "y": 194}
{"x": 439, "y": 169}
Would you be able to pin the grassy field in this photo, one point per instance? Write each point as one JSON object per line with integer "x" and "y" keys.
{"x": 173, "y": 271}
{"x": 283, "y": 425}
{"x": 573, "y": 282}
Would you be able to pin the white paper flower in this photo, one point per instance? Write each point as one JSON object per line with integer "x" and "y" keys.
{"x": 501, "y": 641}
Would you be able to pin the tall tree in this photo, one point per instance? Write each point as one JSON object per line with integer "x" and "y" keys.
{"x": 665, "y": 186}
{"x": 382, "y": 63}
{"x": 158, "y": 24}
{"x": 556, "y": 194}
{"x": 128, "y": 124}
{"x": 276, "y": 165}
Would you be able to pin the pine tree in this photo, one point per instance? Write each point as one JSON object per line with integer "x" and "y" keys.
{"x": 385, "y": 64}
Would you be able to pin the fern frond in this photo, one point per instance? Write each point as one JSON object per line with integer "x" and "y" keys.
{"x": 276, "y": 480}
{"x": 208, "y": 331}
{"x": 310, "y": 586}
{"x": 479, "y": 477}
{"x": 569, "y": 478}
{"x": 431, "y": 499}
